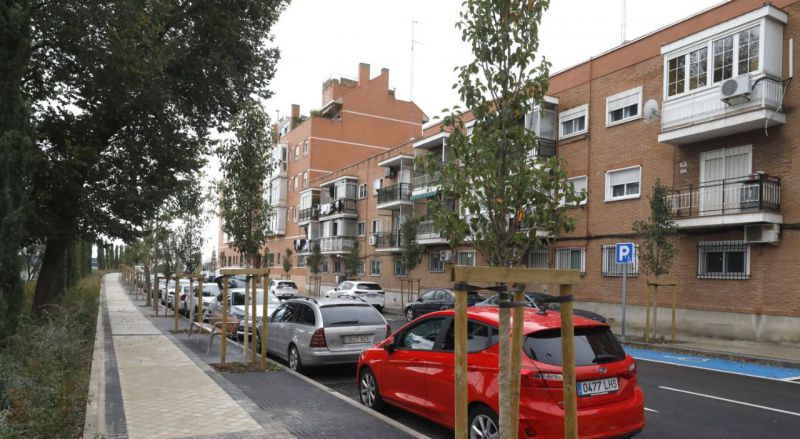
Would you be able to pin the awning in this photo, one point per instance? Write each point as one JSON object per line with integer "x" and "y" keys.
{"x": 423, "y": 195}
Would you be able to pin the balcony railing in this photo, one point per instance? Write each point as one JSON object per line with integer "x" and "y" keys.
{"x": 308, "y": 247}
{"x": 754, "y": 193}
{"x": 547, "y": 148}
{"x": 337, "y": 207}
{"x": 397, "y": 192}
{"x": 310, "y": 214}
{"x": 387, "y": 239}
{"x": 337, "y": 244}
{"x": 427, "y": 230}
{"x": 424, "y": 179}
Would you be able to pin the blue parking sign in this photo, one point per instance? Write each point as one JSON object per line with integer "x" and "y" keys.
{"x": 624, "y": 252}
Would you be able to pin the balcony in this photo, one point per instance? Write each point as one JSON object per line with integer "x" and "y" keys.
{"x": 340, "y": 208}
{"x": 736, "y": 201}
{"x": 546, "y": 149}
{"x": 387, "y": 241}
{"x": 336, "y": 244}
{"x": 703, "y": 115}
{"x": 310, "y": 214}
{"x": 392, "y": 197}
{"x": 425, "y": 184}
{"x": 309, "y": 247}
{"x": 428, "y": 234}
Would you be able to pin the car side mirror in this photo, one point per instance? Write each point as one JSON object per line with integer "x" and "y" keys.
{"x": 389, "y": 345}
{"x": 336, "y": 289}
{"x": 419, "y": 299}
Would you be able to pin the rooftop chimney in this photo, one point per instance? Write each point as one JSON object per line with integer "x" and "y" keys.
{"x": 363, "y": 73}
{"x": 295, "y": 111}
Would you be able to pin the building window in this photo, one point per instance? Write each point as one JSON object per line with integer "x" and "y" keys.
{"x": 375, "y": 267}
{"x": 324, "y": 265}
{"x": 723, "y": 58}
{"x": 400, "y": 269}
{"x": 361, "y": 228}
{"x": 723, "y": 260}
{"x": 375, "y": 226}
{"x": 305, "y": 147}
{"x": 361, "y": 267}
{"x": 623, "y": 184}
{"x": 466, "y": 257}
{"x": 362, "y": 191}
{"x": 301, "y": 261}
{"x": 574, "y": 121}
{"x": 297, "y": 152}
{"x": 435, "y": 262}
{"x": 294, "y": 183}
{"x": 305, "y": 180}
{"x": 337, "y": 265}
{"x": 676, "y": 71}
{"x": 698, "y": 68}
{"x": 612, "y": 269}
{"x": 748, "y": 50}
{"x": 294, "y": 214}
{"x": 624, "y": 107}
{"x": 538, "y": 258}
{"x": 271, "y": 259}
{"x": 377, "y": 184}
{"x": 571, "y": 258}
{"x": 579, "y": 186}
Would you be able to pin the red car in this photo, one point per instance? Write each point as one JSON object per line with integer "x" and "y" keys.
{"x": 413, "y": 369}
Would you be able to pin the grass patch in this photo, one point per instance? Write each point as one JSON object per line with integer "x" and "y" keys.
{"x": 45, "y": 367}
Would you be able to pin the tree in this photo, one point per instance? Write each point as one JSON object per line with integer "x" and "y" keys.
{"x": 287, "y": 261}
{"x": 314, "y": 260}
{"x": 124, "y": 113}
{"x": 246, "y": 165}
{"x": 410, "y": 250}
{"x": 352, "y": 261}
{"x": 15, "y": 156}
{"x": 506, "y": 194}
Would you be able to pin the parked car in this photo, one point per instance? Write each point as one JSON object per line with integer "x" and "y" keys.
{"x": 183, "y": 288}
{"x": 610, "y": 401}
{"x": 210, "y": 292}
{"x": 369, "y": 291}
{"x": 307, "y": 332}
{"x": 284, "y": 289}
{"x": 437, "y": 299}
{"x": 236, "y": 307}
{"x": 532, "y": 298}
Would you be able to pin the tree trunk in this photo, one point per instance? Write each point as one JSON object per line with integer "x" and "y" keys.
{"x": 51, "y": 277}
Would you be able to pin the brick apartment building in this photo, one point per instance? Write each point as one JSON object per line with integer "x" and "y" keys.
{"x": 706, "y": 106}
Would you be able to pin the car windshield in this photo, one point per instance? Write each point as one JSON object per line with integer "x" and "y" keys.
{"x": 368, "y": 286}
{"x": 593, "y": 345}
{"x": 284, "y": 285}
{"x": 351, "y": 315}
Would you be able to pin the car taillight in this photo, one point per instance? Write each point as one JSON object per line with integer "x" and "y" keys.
{"x": 318, "y": 339}
{"x": 388, "y": 329}
{"x": 631, "y": 373}
{"x": 540, "y": 379}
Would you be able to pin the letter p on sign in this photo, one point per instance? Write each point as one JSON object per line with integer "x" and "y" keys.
{"x": 624, "y": 252}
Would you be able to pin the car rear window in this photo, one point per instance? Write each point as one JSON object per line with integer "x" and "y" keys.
{"x": 368, "y": 286}
{"x": 351, "y": 315}
{"x": 287, "y": 285}
{"x": 593, "y": 345}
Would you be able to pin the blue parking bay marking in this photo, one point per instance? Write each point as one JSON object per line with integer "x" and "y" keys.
{"x": 786, "y": 374}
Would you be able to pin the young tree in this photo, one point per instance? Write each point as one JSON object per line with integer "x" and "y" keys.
{"x": 506, "y": 193}
{"x": 246, "y": 164}
{"x": 410, "y": 250}
{"x": 143, "y": 93}
{"x": 287, "y": 261}
{"x": 314, "y": 260}
{"x": 352, "y": 260}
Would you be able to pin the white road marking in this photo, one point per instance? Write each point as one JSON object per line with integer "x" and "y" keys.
{"x": 650, "y": 410}
{"x": 691, "y": 366}
{"x": 797, "y": 378}
{"x": 733, "y": 401}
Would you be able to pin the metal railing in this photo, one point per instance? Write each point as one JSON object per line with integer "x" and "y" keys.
{"x": 337, "y": 207}
{"x": 337, "y": 244}
{"x": 309, "y": 214}
{"x": 387, "y": 239}
{"x": 427, "y": 230}
{"x": 396, "y": 192}
{"x": 424, "y": 179}
{"x": 753, "y": 193}
{"x": 546, "y": 149}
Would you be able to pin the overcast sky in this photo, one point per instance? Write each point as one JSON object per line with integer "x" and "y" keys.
{"x": 323, "y": 39}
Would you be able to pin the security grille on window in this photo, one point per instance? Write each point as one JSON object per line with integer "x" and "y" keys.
{"x": 400, "y": 269}
{"x": 624, "y": 106}
{"x": 723, "y": 260}
{"x": 571, "y": 258}
{"x": 538, "y": 258}
{"x": 466, "y": 258}
{"x": 435, "y": 262}
{"x": 612, "y": 269}
{"x": 573, "y": 121}
{"x": 361, "y": 267}
{"x": 623, "y": 183}
{"x": 375, "y": 267}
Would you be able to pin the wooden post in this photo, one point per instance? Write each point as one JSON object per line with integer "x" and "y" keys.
{"x": 254, "y": 313}
{"x": 655, "y": 312}
{"x": 191, "y": 307}
{"x": 200, "y": 302}
{"x": 517, "y": 317}
{"x": 175, "y": 301}
{"x": 264, "y": 316}
{"x": 245, "y": 323}
{"x": 461, "y": 412}
{"x": 504, "y": 369}
{"x": 155, "y": 289}
{"x": 568, "y": 366}
{"x": 647, "y": 312}
{"x": 223, "y": 338}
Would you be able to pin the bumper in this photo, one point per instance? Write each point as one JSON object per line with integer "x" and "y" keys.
{"x": 618, "y": 420}
{"x": 379, "y": 301}
{"x": 285, "y": 294}
{"x": 319, "y": 357}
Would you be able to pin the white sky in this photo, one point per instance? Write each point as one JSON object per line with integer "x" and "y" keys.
{"x": 320, "y": 39}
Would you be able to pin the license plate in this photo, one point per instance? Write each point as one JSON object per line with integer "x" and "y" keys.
{"x": 597, "y": 387}
{"x": 352, "y": 339}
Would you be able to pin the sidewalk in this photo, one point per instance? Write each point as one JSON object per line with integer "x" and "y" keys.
{"x": 149, "y": 383}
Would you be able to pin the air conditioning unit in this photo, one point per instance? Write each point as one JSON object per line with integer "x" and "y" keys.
{"x": 735, "y": 90}
{"x": 389, "y": 172}
{"x": 371, "y": 239}
{"x": 759, "y": 233}
{"x": 446, "y": 255}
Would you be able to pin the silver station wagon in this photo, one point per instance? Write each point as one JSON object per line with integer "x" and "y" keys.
{"x": 309, "y": 332}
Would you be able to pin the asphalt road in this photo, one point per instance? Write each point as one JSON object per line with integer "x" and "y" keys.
{"x": 681, "y": 402}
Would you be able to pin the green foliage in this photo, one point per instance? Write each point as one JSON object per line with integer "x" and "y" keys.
{"x": 314, "y": 260}
{"x": 44, "y": 369}
{"x": 352, "y": 260}
{"x": 410, "y": 250}
{"x": 287, "y": 260}
{"x": 505, "y": 192}
{"x": 246, "y": 165}
{"x": 657, "y": 251}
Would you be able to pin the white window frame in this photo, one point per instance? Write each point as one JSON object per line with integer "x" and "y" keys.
{"x": 570, "y": 249}
{"x": 294, "y": 183}
{"x": 398, "y": 263}
{"x": 361, "y": 228}
{"x": 362, "y": 267}
{"x": 362, "y": 191}
{"x": 609, "y": 192}
{"x": 608, "y": 256}
{"x": 305, "y": 147}
{"x": 305, "y": 179}
{"x": 572, "y": 180}
{"x": 372, "y": 266}
{"x": 297, "y": 152}
{"x": 376, "y": 224}
{"x": 613, "y": 103}
{"x": 430, "y": 262}
{"x": 377, "y": 185}
{"x": 571, "y": 114}
{"x": 707, "y": 246}
{"x": 465, "y": 252}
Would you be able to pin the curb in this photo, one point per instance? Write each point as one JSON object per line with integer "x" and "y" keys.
{"x": 94, "y": 419}
{"x": 733, "y": 356}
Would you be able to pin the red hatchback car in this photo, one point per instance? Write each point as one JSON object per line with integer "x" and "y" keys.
{"x": 413, "y": 369}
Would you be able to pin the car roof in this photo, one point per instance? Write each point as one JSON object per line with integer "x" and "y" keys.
{"x": 534, "y": 321}
{"x": 329, "y": 302}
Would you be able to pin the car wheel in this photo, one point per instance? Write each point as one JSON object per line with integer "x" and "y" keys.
{"x": 368, "y": 390}
{"x": 409, "y": 314}
{"x": 294, "y": 359}
{"x": 483, "y": 423}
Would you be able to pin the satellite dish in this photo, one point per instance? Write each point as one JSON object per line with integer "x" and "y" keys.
{"x": 651, "y": 110}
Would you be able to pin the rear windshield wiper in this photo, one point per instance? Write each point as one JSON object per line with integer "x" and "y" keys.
{"x": 345, "y": 322}
{"x": 606, "y": 358}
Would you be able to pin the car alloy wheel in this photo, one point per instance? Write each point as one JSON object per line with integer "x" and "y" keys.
{"x": 409, "y": 314}
{"x": 368, "y": 390}
{"x": 294, "y": 359}
{"x": 483, "y": 424}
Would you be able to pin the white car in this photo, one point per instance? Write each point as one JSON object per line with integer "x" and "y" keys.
{"x": 283, "y": 289}
{"x": 210, "y": 292}
{"x": 183, "y": 288}
{"x": 236, "y": 306}
{"x": 371, "y": 292}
